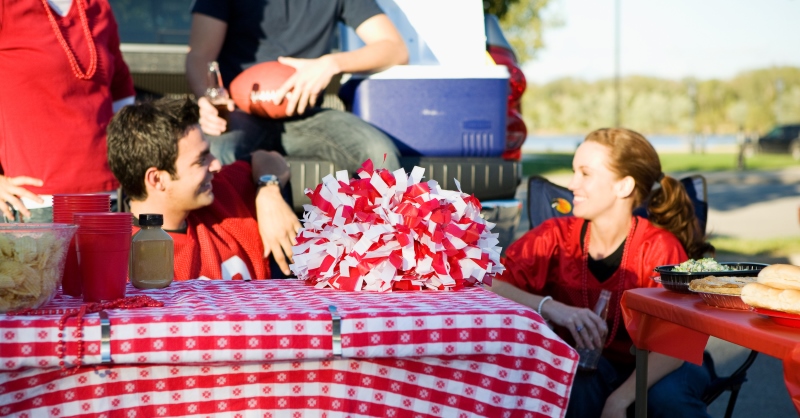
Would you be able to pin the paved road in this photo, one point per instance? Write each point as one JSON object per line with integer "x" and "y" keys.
{"x": 756, "y": 205}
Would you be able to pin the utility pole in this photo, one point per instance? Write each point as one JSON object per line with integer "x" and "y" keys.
{"x": 617, "y": 87}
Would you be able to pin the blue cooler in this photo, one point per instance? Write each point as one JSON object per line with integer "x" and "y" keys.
{"x": 433, "y": 110}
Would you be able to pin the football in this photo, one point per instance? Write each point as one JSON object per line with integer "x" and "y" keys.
{"x": 253, "y": 90}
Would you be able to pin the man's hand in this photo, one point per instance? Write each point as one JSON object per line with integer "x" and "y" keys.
{"x": 586, "y": 327}
{"x": 210, "y": 121}
{"x": 306, "y": 84}
{"x": 277, "y": 224}
{"x": 11, "y": 191}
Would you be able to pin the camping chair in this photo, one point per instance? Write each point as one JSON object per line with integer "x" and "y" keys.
{"x": 548, "y": 200}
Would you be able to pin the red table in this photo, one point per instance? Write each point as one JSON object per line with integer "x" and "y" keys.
{"x": 271, "y": 347}
{"x": 679, "y": 325}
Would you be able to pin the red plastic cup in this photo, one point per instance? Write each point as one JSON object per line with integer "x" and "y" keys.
{"x": 98, "y": 217}
{"x": 103, "y": 263}
{"x": 93, "y": 197}
{"x": 71, "y": 282}
{"x": 103, "y": 274}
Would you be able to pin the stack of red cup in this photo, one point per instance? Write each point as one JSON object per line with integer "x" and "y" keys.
{"x": 64, "y": 206}
{"x": 104, "y": 245}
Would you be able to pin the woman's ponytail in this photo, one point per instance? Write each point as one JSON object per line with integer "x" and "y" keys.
{"x": 671, "y": 208}
{"x": 668, "y": 203}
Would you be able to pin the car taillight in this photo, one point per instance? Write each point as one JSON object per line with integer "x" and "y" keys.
{"x": 516, "y": 131}
{"x": 516, "y": 84}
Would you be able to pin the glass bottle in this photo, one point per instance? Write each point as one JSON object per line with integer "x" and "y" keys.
{"x": 152, "y": 254}
{"x": 590, "y": 357}
{"x": 216, "y": 93}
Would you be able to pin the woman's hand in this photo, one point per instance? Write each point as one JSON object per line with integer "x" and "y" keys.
{"x": 11, "y": 190}
{"x": 587, "y": 328}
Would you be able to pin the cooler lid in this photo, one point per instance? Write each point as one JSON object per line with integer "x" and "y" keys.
{"x": 416, "y": 72}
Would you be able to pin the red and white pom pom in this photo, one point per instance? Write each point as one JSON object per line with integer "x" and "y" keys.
{"x": 387, "y": 231}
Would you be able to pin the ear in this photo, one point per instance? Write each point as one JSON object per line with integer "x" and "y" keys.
{"x": 624, "y": 187}
{"x": 154, "y": 180}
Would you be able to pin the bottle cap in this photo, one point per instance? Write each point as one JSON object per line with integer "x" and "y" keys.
{"x": 151, "y": 219}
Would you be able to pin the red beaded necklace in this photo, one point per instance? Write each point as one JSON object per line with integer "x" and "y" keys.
{"x": 61, "y": 349}
{"x": 87, "y": 32}
{"x": 621, "y": 278}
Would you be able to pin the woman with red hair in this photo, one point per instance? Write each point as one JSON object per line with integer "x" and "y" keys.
{"x": 560, "y": 268}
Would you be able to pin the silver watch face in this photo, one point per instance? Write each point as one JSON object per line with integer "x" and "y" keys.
{"x": 267, "y": 179}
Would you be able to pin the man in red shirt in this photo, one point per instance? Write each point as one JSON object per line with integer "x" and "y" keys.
{"x": 220, "y": 221}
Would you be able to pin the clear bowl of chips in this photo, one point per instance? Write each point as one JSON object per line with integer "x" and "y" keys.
{"x": 32, "y": 260}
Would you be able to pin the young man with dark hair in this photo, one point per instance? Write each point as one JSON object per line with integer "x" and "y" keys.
{"x": 221, "y": 219}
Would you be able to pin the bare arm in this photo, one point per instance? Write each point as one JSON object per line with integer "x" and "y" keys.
{"x": 384, "y": 48}
{"x": 593, "y": 329}
{"x": 277, "y": 223}
{"x": 205, "y": 41}
{"x": 658, "y": 366}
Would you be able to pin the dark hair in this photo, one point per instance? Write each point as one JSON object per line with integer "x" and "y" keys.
{"x": 668, "y": 206}
{"x": 145, "y": 135}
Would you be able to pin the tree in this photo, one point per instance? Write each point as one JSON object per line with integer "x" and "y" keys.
{"x": 522, "y": 22}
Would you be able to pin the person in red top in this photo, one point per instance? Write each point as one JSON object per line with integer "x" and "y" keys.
{"x": 63, "y": 76}
{"x": 560, "y": 268}
{"x": 220, "y": 222}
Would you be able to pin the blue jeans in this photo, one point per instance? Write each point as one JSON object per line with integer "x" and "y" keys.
{"x": 323, "y": 134}
{"x": 678, "y": 394}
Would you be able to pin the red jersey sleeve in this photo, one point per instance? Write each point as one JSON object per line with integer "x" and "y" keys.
{"x": 222, "y": 240}
{"x": 659, "y": 248}
{"x": 528, "y": 260}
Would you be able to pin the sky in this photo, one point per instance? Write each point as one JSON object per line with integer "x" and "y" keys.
{"x": 668, "y": 38}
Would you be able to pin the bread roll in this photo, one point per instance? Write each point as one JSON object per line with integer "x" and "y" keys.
{"x": 780, "y": 276}
{"x": 720, "y": 285}
{"x": 762, "y": 296}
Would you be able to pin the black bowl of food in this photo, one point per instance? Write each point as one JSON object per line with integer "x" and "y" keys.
{"x": 676, "y": 277}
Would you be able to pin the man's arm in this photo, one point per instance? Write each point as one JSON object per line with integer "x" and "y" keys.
{"x": 205, "y": 41}
{"x": 277, "y": 223}
{"x": 384, "y": 48}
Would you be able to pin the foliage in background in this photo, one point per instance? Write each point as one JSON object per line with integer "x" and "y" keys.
{"x": 522, "y": 22}
{"x": 753, "y": 100}
{"x": 561, "y": 163}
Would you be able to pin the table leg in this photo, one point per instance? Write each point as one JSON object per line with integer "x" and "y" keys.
{"x": 641, "y": 383}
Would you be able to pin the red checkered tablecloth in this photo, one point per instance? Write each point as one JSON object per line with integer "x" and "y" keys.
{"x": 265, "y": 348}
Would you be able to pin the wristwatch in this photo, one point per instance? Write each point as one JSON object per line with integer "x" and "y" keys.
{"x": 268, "y": 179}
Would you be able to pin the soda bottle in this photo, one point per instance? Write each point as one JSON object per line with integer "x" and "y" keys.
{"x": 590, "y": 357}
{"x": 216, "y": 93}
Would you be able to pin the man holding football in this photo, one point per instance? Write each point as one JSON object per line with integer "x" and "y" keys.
{"x": 297, "y": 33}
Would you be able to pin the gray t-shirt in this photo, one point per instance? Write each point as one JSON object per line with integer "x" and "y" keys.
{"x": 263, "y": 30}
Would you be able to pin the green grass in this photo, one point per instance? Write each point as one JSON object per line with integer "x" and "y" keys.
{"x": 775, "y": 247}
{"x": 560, "y": 163}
